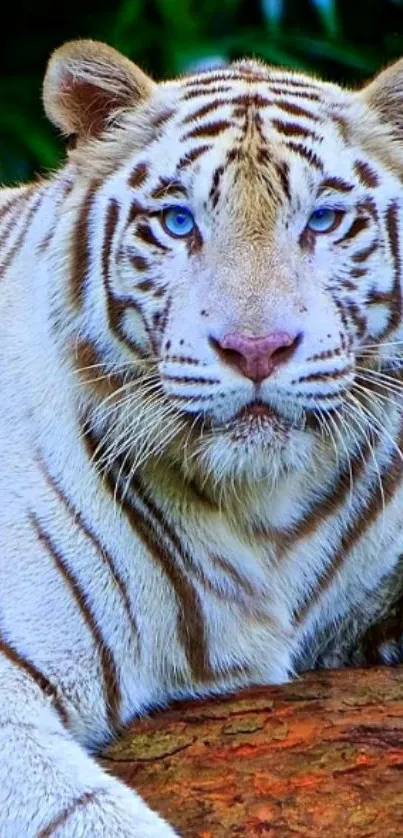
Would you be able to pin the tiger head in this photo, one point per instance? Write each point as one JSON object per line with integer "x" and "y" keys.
{"x": 237, "y": 243}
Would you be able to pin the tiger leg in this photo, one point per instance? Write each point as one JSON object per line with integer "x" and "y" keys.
{"x": 49, "y": 785}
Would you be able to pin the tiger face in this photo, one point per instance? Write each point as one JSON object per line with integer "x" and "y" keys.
{"x": 250, "y": 252}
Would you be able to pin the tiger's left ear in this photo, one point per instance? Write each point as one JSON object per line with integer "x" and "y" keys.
{"x": 384, "y": 95}
{"x": 87, "y": 82}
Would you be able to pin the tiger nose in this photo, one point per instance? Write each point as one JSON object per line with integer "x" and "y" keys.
{"x": 257, "y": 357}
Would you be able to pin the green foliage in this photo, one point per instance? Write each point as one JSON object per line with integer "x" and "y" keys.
{"x": 342, "y": 40}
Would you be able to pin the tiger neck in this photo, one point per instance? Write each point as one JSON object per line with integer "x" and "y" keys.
{"x": 245, "y": 508}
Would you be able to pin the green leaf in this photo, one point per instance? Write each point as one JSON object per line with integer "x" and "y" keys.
{"x": 327, "y": 11}
{"x": 28, "y": 133}
{"x": 128, "y": 15}
{"x": 178, "y": 15}
{"x": 273, "y": 11}
{"x": 273, "y": 50}
{"x": 359, "y": 59}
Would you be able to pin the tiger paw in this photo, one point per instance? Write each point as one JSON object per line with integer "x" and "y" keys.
{"x": 390, "y": 652}
{"x": 113, "y": 815}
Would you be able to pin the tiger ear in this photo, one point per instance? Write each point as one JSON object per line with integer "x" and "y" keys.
{"x": 86, "y": 83}
{"x": 384, "y": 95}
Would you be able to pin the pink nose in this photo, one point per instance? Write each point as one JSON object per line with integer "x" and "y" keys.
{"x": 257, "y": 357}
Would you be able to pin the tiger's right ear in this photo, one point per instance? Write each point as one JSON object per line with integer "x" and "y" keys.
{"x": 384, "y": 95}
{"x": 86, "y": 83}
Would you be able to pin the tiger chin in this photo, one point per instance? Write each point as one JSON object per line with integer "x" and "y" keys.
{"x": 201, "y": 418}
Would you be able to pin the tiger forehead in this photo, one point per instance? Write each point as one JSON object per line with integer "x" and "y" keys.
{"x": 248, "y": 86}
{"x": 203, "y": 105}
{"x": 244, "y": 115}
{"x": 249, "y": 73}
{"x": 247, "y": 112}
{"x": 235, "y": 131}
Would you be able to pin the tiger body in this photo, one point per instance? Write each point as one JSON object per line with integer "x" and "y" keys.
{"x": 172, "y": 525}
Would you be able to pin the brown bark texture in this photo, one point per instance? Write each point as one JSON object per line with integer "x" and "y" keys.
{"x": 322, "y": 756}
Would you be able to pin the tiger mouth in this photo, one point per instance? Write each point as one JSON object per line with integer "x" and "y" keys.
{"x": 257, "y": 412}
{"x": 258, "y": 419}
{"x": 254, "y": 419}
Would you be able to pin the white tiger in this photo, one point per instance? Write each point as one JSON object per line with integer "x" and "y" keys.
{"x": 201, "y": 414}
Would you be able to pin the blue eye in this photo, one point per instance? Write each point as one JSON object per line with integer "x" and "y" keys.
{"x": 324, "y": 220}
{"x": 178, "y": 221}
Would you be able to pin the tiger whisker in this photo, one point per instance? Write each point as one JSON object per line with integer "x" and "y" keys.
{"x": 155, "y": 450}
{"x": 328, "y": 431}
{"x": 129, "y": 405}
{"x": 377, "y": 346}
{"x": 116, "y": 367}
{"x": 145, "y": 383}
{"x": 129, "y": 401}
{"x": 347, "y": 452}
{"x": 132, "y": 434}
{"x": 146, "y": 452}
{"x": 112, "y": 430}
{"x": 382, "y": 396}
{"x": 355, "y": 415}
{"x": 374, "y": 419}
{"x": 382, "y": 379}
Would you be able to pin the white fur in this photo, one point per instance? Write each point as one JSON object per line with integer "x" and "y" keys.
{"x": 262, "y": 482}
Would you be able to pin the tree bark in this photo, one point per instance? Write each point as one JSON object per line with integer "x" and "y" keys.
{"x": 322, "y": 756}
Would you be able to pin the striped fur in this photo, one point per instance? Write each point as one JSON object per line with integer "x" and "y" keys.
{"x": 168, "y": 527}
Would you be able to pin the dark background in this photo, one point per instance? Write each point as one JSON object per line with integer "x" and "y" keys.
{"x": 343, "y": 40}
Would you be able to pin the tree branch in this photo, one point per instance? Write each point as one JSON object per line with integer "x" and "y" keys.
{"x": 320, "y": 756}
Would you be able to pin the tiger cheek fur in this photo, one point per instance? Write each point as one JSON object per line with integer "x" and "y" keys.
{"x": 201, "y": 420}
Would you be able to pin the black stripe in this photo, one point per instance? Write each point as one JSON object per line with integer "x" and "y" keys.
{"x": 147, "y": 524}
{"x": 105, "y": 556}
{"x": 307, "y": 154}
{"x": 391, "y": 479}
{"x": 21, "y": 236}
{"x": 22, "y": 662}
{"x": 110, "y": 676}
{"x": 80, "y": 246}
{"x": 392, "y": 226}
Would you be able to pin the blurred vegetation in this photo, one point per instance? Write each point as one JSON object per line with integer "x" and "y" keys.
{"x": 344, "y": 40}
